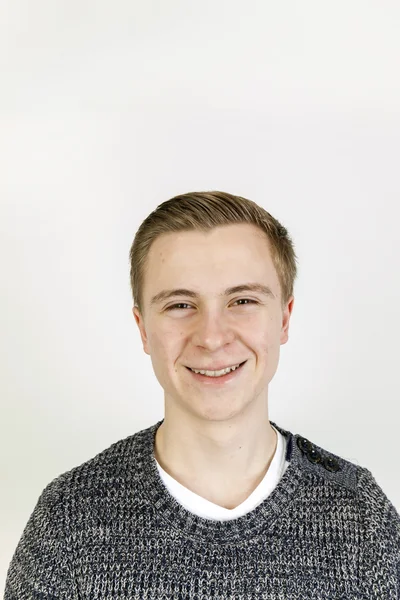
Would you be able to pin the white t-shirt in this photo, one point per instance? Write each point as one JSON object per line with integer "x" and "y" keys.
{"x": 208, "y": 510}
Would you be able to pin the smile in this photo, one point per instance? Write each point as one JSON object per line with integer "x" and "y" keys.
{"x": 216, "y": 373}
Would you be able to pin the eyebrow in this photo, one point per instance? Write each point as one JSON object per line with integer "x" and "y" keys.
{"x": 237, "y": 289}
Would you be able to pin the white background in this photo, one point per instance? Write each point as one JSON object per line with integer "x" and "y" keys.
{"x": 110, "y": 108}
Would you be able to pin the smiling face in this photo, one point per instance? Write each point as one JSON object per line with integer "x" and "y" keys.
{"x": 211, "y": 325}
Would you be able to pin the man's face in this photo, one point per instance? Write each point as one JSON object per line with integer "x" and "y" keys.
{"x": 207, "y": 329}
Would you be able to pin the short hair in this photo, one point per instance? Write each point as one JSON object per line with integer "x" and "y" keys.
{"x": 203, "y": 211}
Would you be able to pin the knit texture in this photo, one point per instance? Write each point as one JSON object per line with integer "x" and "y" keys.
{"x": 109, "y": 529}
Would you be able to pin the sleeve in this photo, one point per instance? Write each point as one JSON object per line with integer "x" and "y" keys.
{"x": 380, "y": 522}
{"x": 393, "y": 526}
{"x": 40, "y": 568}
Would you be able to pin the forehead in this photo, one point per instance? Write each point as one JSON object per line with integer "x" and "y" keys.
{"x": 208, "y": 261}
{"x": 227, "y": 239}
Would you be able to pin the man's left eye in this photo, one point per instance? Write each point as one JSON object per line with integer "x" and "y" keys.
{"x": 247, "y": 300}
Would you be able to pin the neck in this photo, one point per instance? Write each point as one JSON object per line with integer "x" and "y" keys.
{"x": 222, "y": 461}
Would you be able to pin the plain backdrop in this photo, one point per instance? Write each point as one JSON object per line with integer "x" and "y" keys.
{"x": 109, "y": 108}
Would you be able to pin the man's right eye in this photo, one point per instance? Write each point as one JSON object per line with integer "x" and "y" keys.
{"x": 176, "y": 305}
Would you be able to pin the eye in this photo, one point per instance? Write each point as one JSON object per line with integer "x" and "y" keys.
{"x": 246, "y": 300}
{"x": 176, "y": 305}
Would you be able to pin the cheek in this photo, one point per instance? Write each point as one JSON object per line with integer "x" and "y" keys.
{"x": 267, "y": 339}
{"x": 164, "y": 344}
{"x": 263, "y": 334}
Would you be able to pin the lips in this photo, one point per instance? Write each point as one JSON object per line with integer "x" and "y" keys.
{"x": 216, "y": 368}
{"x": 216, "y": 381}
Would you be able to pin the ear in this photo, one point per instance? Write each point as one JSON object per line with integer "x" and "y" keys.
{"x": 140, "y": 323}
{"x": 286, "y": 314}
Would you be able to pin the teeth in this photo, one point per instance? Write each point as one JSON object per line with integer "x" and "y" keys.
{"x": 216, "y": 373}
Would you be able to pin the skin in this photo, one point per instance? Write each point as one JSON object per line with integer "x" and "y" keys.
{"x": 215, "y": 440}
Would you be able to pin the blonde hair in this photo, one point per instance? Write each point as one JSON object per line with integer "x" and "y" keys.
{"x": 203, "y": 211}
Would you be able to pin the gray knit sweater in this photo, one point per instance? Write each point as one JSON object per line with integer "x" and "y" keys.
{"x": 109, "y": 529}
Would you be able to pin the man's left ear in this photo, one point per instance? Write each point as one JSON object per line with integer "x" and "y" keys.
{"x": 286, "y": 314}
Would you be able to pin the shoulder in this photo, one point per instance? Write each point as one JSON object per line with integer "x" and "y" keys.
{"x": 322, "y": 463}
{"x": 338, "y": 471}
{"x": 112, "y": 469}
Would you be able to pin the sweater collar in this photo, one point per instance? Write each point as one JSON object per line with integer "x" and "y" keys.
{"x": 175, "y": 516}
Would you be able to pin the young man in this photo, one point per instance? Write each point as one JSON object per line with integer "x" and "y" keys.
{"x": 214, "y": 501}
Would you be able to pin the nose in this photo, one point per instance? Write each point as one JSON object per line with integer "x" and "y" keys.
{"x": 212, "y": 331}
